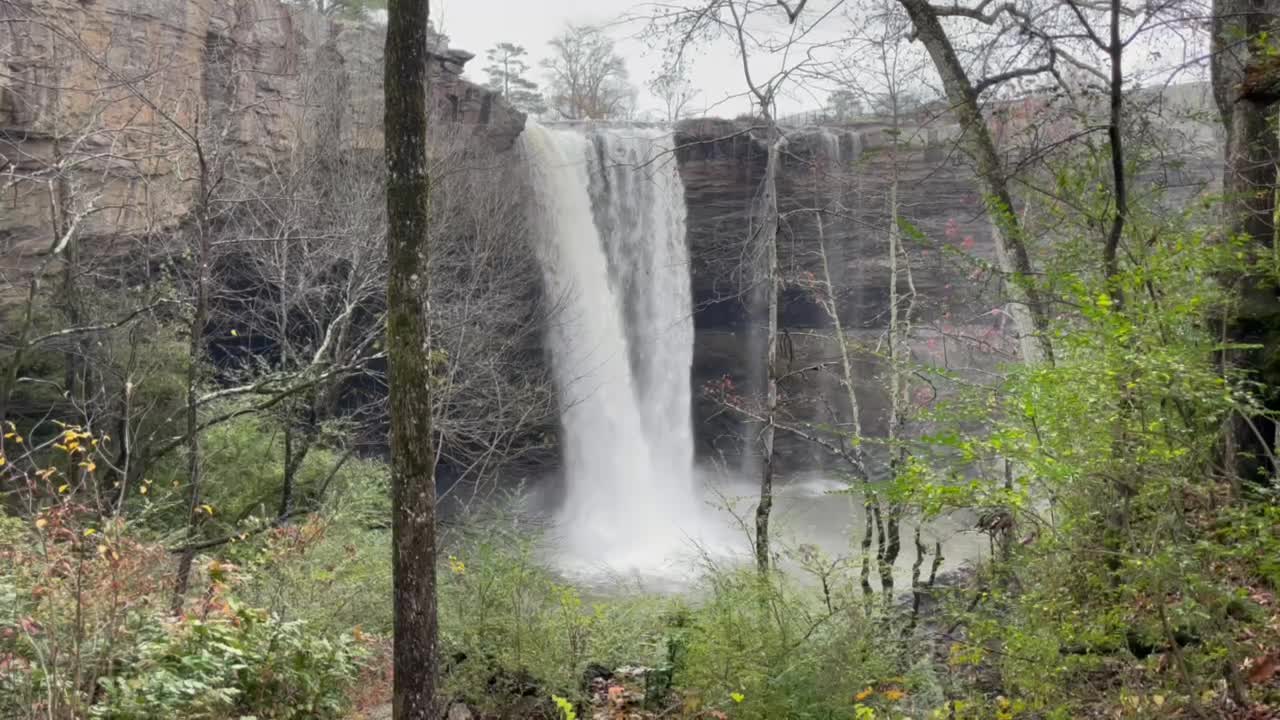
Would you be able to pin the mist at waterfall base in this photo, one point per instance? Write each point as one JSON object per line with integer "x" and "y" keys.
{"x": 608, "y": 220}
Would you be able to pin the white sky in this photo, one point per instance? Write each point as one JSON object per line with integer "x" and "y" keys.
{"x": 715, "y": 70}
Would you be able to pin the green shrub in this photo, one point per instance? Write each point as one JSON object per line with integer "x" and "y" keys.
{"x": 330, "y": 571}
{"x": 772, "y": 648}
{"x": 508, "y": 625}
{"x": 237, "y": 662}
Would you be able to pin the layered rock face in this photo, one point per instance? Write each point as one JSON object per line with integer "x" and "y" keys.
{"x": 834, "y": 194}
{"x": 121, "y": 101}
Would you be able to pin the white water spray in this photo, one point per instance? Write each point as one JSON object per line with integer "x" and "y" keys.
{"x": 609, "y": 217}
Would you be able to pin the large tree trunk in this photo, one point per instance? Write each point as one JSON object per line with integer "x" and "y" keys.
{"x": 412, "y": 459}
{"x": 1245, "y": 83}
{"x": 1028, "y": 308}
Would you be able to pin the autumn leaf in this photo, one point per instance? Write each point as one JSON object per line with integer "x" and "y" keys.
{"x": 1264, "y": 668}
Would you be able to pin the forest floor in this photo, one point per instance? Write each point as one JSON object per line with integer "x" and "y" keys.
{"x": 618, "y": 697}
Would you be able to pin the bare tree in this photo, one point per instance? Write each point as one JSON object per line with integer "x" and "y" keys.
{"x": 409, "y": 347}
{"x": 963, "y": 95}
{"x": 347, "y": 8}
{"x": 588, "y": 79}
{"x": 673, "y": 88}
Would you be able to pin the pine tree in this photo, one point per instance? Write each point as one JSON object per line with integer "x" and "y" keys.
{"x": 506, "y": 71}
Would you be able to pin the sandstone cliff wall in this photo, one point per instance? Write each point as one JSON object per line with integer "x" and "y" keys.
{"x": 845, "y": 172}
{"x": 109, "y": 107}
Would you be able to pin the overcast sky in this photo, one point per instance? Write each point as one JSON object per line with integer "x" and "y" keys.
{"x": 715, "y": 70}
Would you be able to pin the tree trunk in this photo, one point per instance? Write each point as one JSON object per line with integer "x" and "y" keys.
{"x": 1244, "y": 82}
{"x": 195, "y": 356}
{"x": 769, "y": 246}
{"x": 1028, "y": 309}
{"x": 408, "y": 347}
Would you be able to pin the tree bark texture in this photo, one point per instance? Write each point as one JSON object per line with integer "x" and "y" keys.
{"x": 1246, "y": 74}
{"x": 769, "y": 244}
{"x": 408, "y": 348}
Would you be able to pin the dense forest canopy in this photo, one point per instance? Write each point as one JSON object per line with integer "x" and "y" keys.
{"x": 343, "y": 375}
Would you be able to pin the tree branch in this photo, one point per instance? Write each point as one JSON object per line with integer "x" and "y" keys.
{"x": 97, "y": 328}
{"x": 792, "y": 14}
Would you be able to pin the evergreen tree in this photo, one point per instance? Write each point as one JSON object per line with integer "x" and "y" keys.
{"x": 506, "y": 71}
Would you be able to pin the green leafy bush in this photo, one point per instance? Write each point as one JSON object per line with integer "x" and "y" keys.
{"x": 235, "y": 662}
{"x": 509, "y": 627}
{"x": 770, "y": 648}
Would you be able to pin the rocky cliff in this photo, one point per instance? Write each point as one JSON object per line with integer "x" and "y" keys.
{"x": 109, "y": 110}
{"x": 120, "y": 102}
{"x": 834, "y": 193}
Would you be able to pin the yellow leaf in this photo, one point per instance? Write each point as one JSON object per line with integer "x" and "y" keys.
{"x": 90, "y": 531}
{"x": 737, "y": 697}
{"x": 207, "y": 508}
{"x": 63, "y": 488}
{"x": 894, "y": 695}
{"x": 2, "y": 461}
{"x": 864, "y": 695}
{"x": 143, "y": 490}
{"x": 235, "y": 334}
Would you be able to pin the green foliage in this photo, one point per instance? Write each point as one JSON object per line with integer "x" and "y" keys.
{"x": 244, "y": 472}
{"x": 508, "y": 625}
{"x": 239, "y": 662}
{"x": 331, "y": 571}
{"x": 1132, "y": 548}
{"x": 85, "y": 630}
{"x": 565, "y": 707}
{"x": 771, "y": 648}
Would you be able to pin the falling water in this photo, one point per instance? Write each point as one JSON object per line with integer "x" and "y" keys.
{"x": 830, "y": 144}
{"x": 609, "y": 216}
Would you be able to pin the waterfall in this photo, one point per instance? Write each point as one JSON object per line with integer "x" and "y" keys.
{"x": 830, "y": 153}
{"x": 608, "y": 215}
